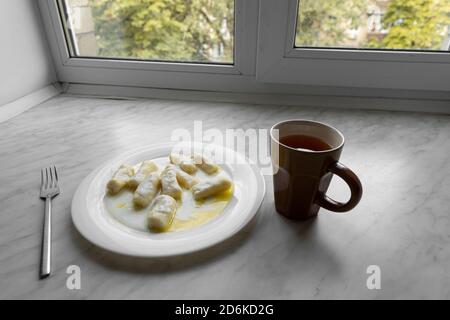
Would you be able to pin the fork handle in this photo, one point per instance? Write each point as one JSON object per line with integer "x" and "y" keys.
{"x": 46, "y": 264}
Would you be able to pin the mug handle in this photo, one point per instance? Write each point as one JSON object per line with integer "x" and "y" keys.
{"x": 355, "y": 187}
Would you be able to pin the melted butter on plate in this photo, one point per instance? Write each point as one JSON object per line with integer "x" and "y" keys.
{"x": 203, "y": 212}
{"x": 190, "y": 213}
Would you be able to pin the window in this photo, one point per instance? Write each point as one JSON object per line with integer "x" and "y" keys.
{"x": 163, "y": 30}
{"x": 177, "y": 44}
{"x": 404, "y": 42}
{"x": 374, "y": 24}
{"x": 263, "y": 46}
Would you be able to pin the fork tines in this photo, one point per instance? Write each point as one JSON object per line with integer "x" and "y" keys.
{"x": 49, "y": 182}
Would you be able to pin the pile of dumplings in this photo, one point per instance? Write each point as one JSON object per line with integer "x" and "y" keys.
{"x": 147, "y": 183}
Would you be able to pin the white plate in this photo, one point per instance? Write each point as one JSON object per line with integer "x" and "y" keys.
{"x": 97, "y": 225}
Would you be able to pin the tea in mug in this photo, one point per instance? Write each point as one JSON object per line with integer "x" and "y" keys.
{"x": 304, "y": 142}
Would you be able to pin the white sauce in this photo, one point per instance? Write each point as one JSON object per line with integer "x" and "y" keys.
{"x": 190, "y": 214}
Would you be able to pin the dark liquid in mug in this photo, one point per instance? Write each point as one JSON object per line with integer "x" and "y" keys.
{"x": 304, "y": 142}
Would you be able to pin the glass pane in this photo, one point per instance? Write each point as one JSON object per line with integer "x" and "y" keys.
{"x": 374, "y": 24}
{"x": 164, "y": 30}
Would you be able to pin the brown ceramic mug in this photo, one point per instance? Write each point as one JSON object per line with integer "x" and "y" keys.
{"x": 302, "y": 173}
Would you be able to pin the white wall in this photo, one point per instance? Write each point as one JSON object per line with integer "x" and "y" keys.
{"x": 25, "y": 64}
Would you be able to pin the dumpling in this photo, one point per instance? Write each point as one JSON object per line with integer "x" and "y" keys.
{"x": 205, "y": 164}
{"x": 211, "y": 187}
{"x": 147, "y": 190}
{"x": 169, "y": 182}
{"x": 145, "y": 169}
{"x": 185, "y": 180}
{"x": 162, "y": 213}
{"x": 185, "y": 163}
{"x": 120, "y": 179}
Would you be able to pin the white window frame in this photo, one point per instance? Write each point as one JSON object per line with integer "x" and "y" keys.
{"x": 265, "y": 62}
{"x": 154, "y": 73}
{"x": 280, "y": 62}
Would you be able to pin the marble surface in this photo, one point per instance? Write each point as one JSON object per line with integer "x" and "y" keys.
{"x": 402, "y": 223}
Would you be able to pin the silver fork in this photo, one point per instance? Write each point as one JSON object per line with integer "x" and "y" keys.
{"x": 49, "y": 190}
